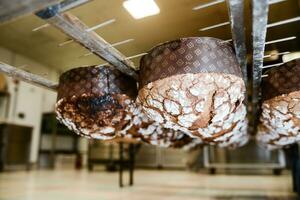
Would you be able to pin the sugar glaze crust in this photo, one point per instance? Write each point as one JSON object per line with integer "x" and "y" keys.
{"x": 204, "y": 105}
{"x": 280, "y": 121}
{"x": 94, "y": 101}
{"x": 86, "y": 117}
{"x": 143, "y": 129}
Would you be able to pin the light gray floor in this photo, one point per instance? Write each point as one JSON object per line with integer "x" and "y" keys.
{"x": 149, "y": 185}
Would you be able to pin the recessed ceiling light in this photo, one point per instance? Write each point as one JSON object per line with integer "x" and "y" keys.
{"x": 141, "y": 8}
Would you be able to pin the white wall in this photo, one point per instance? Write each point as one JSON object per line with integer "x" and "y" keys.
{"x": 28, "y": 99}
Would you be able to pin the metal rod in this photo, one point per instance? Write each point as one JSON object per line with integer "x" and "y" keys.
{"x": 281, "y": 40}
{"x": 208, "y": 4}
{"x": 276, "y": 54}
{"x": 12, "y": 9}
{"x": 287, "y": 21}
{"x": 101, "y": 25}
{"x": 112, "y": 45}
{"x": 236, "y": 16}
{"x": 260, "y": 9}
{"x": 27, "y": 77}
{"x": 128, "y": 58}
{"x": 103, "y": 64}
{"x": 120, "y": 43}
{"x": 63, "y": 7}
{"x": 208, "y": 164}
{"x": 135, "y": 56}
{"x": 214, "y": 26}
{"x": 65, "y": 42}
{"x": 121, "y": 163}
{"x": 74, "y": 28}
{"x": 225, "y": 41}
{"x": 41, "y": 27}
{"x": 89, "y": 30}
{"x": 86, "y": 54}
{"x": 273, "y": 65}
{"x": 271, "y": 2}
{"x": 70, "y": 4}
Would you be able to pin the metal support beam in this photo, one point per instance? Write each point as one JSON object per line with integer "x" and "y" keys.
{"x": 236, "y": 15}
{"x": 11, "y": 9}
{"x": 27, "y": 77}
{"x": 74, "y": 28}
{"x": 260, "y": 10}
{"x": 70, "y": 4}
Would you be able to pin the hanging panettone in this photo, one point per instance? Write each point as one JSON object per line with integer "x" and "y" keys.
{"x": 193, "y": 85}
{"x": 142, "y": 128}
{"x": 280, "y": 118}
{"x": 93, "y": 101}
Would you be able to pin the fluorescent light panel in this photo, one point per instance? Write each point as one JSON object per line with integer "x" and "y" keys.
{"x": 141, "y": 8}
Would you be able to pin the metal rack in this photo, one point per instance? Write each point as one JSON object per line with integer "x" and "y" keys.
{"x": 79, "y": 32}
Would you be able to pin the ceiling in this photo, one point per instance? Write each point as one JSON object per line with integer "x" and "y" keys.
{"x": 176, "y": 19}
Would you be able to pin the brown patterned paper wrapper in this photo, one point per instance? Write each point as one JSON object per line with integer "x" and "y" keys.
{"x": 93, "y": 101}
{"x": 193, "y": 85}
{"x": 280, "y": 118}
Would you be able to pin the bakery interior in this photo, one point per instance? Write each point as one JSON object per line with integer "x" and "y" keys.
{"x": 149, "y": 99}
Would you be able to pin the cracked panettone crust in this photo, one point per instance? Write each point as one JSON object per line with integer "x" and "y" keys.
{"x": 94, "y": 101}
{"x": 206, "y": 105}
{"x": 143, "y": 129}
{"x": 280, "y": 121}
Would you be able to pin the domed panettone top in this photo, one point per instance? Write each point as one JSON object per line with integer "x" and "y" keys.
{"x": 283, "y": 79}
{"x": 188, "y": 55}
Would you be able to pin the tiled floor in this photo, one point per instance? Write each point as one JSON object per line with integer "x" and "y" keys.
{"x": 149, "y": 185}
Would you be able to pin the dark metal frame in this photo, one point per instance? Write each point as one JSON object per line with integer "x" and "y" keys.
{"x": 236, "y": 15}
{"x": 73, "y": 27}
{"x": 260, "y": 10}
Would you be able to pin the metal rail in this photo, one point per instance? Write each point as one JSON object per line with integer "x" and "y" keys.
{"x": 13, "y": 9}
{"x": 236, "y": 15}
{"x": 77, "y": 30}
{"x": 27, "y": 77}
{"x": 250, "y": 166}
{"x": 260, "y": 10}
